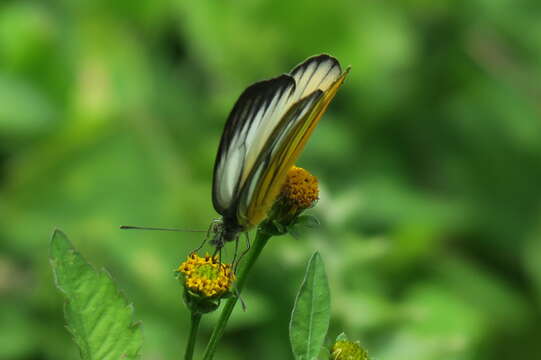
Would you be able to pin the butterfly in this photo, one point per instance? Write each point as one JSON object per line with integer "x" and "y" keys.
{"x": 263, "y": 136}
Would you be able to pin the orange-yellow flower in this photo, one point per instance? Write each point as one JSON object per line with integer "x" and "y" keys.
{"x": 300, "y": 190}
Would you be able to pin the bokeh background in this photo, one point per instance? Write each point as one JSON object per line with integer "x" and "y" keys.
{"x": 429, "y": 161}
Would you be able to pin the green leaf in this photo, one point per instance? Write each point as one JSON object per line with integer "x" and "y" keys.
{"x": 97, "y": 314}
{"x": 311, "y": 313}
{"x": 301, "y": 223}
{"x": 308, "y": 221}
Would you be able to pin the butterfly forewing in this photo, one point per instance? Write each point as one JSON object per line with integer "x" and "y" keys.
{"x": 318, "y": 72}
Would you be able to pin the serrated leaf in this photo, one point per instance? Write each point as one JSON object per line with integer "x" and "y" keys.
{"x": 97, "y": 314}
{"x": 311, "y": 313}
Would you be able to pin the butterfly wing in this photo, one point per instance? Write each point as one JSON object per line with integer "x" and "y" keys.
{"x": 267, "y": 115}
{"x": 257, "y": 109}
{"x": 288, "y": 141}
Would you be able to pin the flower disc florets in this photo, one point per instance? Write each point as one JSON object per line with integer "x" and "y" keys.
{"x": 206, "y": 276}
{"x": 300, "y": 190}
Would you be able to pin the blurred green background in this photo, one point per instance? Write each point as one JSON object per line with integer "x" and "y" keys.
{"x": 429, "y": 161}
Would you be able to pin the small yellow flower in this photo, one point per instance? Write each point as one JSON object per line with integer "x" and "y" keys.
{"x": 300, "y": 190}
{"x": 348, "y": 350}
{"x": 206, "y": 276}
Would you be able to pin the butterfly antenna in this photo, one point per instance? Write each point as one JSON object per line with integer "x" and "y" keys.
{"x": 129, "y": 227}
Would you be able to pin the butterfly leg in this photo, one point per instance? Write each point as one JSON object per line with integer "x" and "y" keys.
{"x": 218, "y": 254}
{"x": 236, "y": 252}
{"x": 247, "y": 237}
{"x": 242, "y": 303}
{"x": 212, "y": 229}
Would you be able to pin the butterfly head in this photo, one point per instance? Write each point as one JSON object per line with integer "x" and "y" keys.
{"x": 225, "y": 230}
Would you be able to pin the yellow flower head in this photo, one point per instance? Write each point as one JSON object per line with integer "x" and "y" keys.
{"x": 206, "y": 276}
{"x": 348, "y": 350}
{"x": 300, "y": 190}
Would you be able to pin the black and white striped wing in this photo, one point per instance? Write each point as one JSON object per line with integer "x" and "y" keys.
{"x": 258, "y": 107}
{"x": 255, "y": 117}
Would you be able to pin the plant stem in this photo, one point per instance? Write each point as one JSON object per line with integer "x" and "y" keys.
{"x": 195, "y": 320}
{"x": 259, "y": 243}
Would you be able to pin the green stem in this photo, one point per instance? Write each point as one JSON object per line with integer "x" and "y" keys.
{"x": 259, "y": 243}
{"x": 196, "y": 319}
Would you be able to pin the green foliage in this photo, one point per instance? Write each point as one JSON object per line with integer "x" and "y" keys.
{"x": 428, "y": 161}
{"x": 97, "y": 314}
{"x": 309, "y": 221}
{"x": 312, "y": 312}
{"x": 301, "y": 224}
